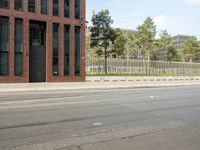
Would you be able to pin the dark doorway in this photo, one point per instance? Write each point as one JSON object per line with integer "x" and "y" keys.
{"x": 37, "y": 54}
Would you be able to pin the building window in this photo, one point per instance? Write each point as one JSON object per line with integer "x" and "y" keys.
{"x": 55, "y": 7}
{"x": 18, "y": 5}
{"x": 4, "y": 46}
{"x": 18, "y": 46}
{"x": 44, "y": 7}
{"x": 67, "y": 50}
{"x": 31, "y": 5}
{"x": 77, "y": 50}
{"x": 56, "y": 46}
{"x": 4, "y": 3}
{"x": 67, "y": 8}
{"x": 77, "y": 9}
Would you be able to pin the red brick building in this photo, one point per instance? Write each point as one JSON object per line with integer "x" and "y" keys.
{"x": 42, "y": 40}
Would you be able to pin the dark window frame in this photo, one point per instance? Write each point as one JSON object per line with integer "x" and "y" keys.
{"x": 66, "y": 50}
{"x": 77, "y": 55}
{"x": 44, "y": 8}
{"x": 19, "y": 2}
{"x": 55, "y": 7}
{"x": 32, "y": 6}
{"x": 18, "y": 51}
{"x": 56, "y": 50}
{"x": 3, "y": 3}
{"x": 67, "y": 8}
{"x": 77, "y": 9}
{"x": 6, "y": 52}
{"x": 7, "y": 63}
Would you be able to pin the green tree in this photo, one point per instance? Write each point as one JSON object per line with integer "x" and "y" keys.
{"x": 102, "y": 33}
{"x": 191, "y": 50}
{"x": 119, "y": 46}
{"x": 145, "y": 36}
{"x": 92, "y": 53}
{"x": 166, "y": 48}
{"x": 131, "y": 47}
{"x": 88, "y": 49}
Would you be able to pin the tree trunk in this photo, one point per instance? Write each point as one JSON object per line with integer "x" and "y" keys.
{"x": 105, "y": 55}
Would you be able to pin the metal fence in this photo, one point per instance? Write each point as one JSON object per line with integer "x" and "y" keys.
{"x": 142, "y": 67}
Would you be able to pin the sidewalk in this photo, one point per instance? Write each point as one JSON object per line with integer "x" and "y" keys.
{"x": 104, "y": 83}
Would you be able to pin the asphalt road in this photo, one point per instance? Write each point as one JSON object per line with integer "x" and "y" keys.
{"x": 141, "y": 119}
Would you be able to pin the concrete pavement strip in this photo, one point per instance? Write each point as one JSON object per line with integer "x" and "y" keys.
{"x": 113, "y": 83}
{"x": 91, "y": 85}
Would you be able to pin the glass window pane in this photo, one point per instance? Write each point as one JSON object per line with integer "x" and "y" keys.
{"x": 18, "y": 5}
{"x": 18, "y": 46}
{"x": 18, "y": 35}
{"x": 55, "y": 7}
{"x": 4, "y": 34}
{"x": 4, "y": 45}
{"x": 4, "y": 3}
{"x": 44, "y": 6}
{"x": 18, "y": 63}
{"x": 77, "y": 50}
{"x": 3, "y": 63}
{"x": 31, "y": 5}
{"x": 37, "y": 35}
{"x": 77, "y": 9}
{"x": 67, "y": 50}
{"x": 56, "y": 49}
{"x": 67, "y": 8}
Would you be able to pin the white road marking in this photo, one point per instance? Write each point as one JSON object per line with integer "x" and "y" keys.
{"x": 97, "y": 124}
{"x": 152, "y": 97}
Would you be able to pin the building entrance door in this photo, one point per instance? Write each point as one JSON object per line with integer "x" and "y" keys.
{"x": 37, "y": 54}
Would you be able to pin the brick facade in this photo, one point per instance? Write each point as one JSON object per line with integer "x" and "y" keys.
{"x": 49, "y": 20}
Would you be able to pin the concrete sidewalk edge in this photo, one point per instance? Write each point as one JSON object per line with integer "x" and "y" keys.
{"x": 92, "y": 85}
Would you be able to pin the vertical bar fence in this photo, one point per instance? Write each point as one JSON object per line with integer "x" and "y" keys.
{"x": 134, "y": 67}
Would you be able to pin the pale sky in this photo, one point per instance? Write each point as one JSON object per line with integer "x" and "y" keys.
{"x": 176, "y": 16}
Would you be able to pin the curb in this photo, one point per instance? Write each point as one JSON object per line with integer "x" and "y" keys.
{"x": 97, "y": 87}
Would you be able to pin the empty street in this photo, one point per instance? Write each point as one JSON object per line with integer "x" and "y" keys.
{"x": 123, "y": 119}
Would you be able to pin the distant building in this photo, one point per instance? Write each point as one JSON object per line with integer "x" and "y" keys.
{"x": 180, "y": 40}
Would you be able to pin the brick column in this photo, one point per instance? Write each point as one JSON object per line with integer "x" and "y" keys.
{"x": 61, "y": 50}
{"x": 49, "y": 51}
{"x": 50, "y": 7}
{"x": 25, "y": 6}
{"x": 72, "y": 9}
{"x": 11, "y": 4}
{"x": 38, "y": 6}
{"x": 83, "y": 59}
{"x": 61, "y": 8}
{"x": 61, "y": 55}
{"x": 26, "y": 49}
{"x": 83, "y": 31}
{"x": 72, "y": 50}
